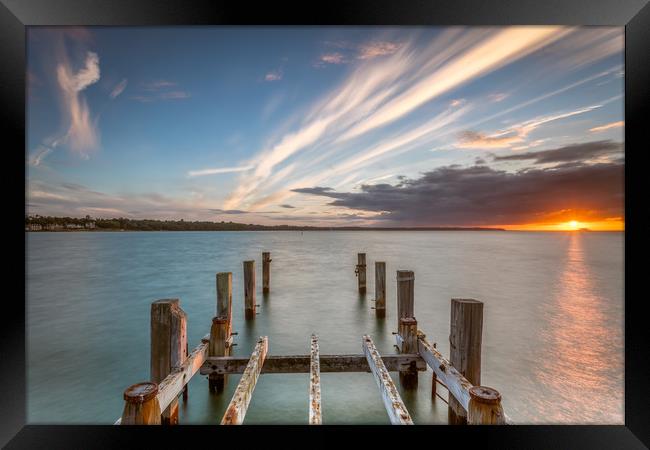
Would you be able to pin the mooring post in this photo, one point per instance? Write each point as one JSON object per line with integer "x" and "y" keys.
{"x": 266, "y": 272}
{"x": 408, "y": 376}
{"x": 224, "y": 297}
{"x": 141, "y": 405}
{"x": 466, "y": 328}
{"x": 361, "y": 272}
{"x": 406, "y": 324}
{"x": 380, "y": 289}
{"x": 168, "y": 346}
{"x": 218, "y": 347}
{"x": 405, "y": 294}
{"x": 249, "y": 289}
{"x": 485, "y": 407}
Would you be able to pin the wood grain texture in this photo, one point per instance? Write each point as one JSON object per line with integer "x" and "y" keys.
{"x": 236, "y": 411}
{"x": 315, "y": 417}
{"x": 301, "y": 363}
{"x": 465, "y": 338}
{"x": 249, "y": 289}
{"x": 380, "y": 289}
{"x": 397, "y": 412}
{"x": 266, "y": 272}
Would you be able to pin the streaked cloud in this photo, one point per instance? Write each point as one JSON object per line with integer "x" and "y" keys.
{"x": 118, "y": 89}
{"x": 582, "y": 152}
{"x": 160, "y": 90}
{"x": 473, "y": 139}
{"x": 373, "y": 49}
{"x": 608, "y": 126}
{"x": 199, "y": 173}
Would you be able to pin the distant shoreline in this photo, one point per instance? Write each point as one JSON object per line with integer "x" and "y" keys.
{"x": 280, "y": 229}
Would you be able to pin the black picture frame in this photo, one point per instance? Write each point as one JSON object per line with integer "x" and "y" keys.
{"x": 15, "y": 15}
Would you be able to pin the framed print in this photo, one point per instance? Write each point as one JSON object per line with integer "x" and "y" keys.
{"x": 326, "y": 219}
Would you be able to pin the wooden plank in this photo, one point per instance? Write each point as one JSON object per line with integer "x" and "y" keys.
{"x": 314, "y": 385}
{"x": 236, "y": 410}
{"x": 395, "y": 408}
{"x": 455, "y": 382}
{"x": 380, "y": 289}
{"x": 466, "y": 326}
{"x": 172, "y": 386}
{"x": 301, "y": 363}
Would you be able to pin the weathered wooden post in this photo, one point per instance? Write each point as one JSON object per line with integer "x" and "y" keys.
{"x": 405, "y": 294}
{"x": 361, "y": 272}
{"x": 266, "y": 272}
{"x": 224, "y": 297}
{"x": 380, "y": 289}
{"x": 168, "y": 346}
{"x": 408, "y": 330}
{"x": 485, "y": 407}
{"x": 406, "y": 324}
{"x": 218, "y": 346}
{"x": 141, "y": 405}
{"x": 249, "y": 289}
{"x": 466, "y": 328}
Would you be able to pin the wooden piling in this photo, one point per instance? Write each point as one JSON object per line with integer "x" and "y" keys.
{"x": 224, "y": 297}
{"x": 465, "y": 349}
{"x": 485, "y": 407}
{"x": 218, "y": 347}
{"x": 408, "y": 330}
{"x": 380, "y": 289}
{"x": 168, "y": 346}
{"x": 249, "y": 289}
{"x": 266, "y": 272}
{"x": 405, "y": 294}
{"x": 141, "y": 405}
{"x": 361, "y": 272}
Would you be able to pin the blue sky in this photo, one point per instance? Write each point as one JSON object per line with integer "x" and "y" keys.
{"x": 324, "y": 125}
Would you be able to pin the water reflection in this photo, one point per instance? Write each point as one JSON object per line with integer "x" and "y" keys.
{"x": 578, "y": 367}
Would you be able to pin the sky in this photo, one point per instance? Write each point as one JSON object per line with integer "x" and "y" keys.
{"x": 514, "y": 127}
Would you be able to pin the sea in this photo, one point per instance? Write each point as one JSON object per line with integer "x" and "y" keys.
{"x": 553, "y": 325}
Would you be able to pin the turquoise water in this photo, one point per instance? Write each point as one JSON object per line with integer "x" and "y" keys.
{"x": 552, "y": 333}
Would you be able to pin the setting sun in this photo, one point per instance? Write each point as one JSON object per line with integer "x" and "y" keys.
{"x": 573, "y": 224}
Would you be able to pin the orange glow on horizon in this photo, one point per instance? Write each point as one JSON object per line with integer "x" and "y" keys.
{"x": 612, "y": 224}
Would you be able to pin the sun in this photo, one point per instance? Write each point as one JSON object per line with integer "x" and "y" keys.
{"x": 573, "y": 224}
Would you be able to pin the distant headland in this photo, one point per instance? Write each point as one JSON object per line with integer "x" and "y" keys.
{"x": 48, "y": 223}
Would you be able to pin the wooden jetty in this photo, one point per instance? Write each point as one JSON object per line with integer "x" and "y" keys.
{"x": 155, "y": 402}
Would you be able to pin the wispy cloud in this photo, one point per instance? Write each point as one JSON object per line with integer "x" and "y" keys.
{"x": 497, "y": 97}
{"x": 274, "y": 75}
{"x": 118, "y": 89}
{"x": 516, "y": 133}
{"x": 199, "y": 173}
{"x": 377, "y": 48}
{"x": 160, "y": 90}
{"x": 330, "y": 58}
{"x": 607, "y": 126}
{"x": 82, "y": 135}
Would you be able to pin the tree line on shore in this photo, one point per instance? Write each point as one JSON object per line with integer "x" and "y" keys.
{"x": 123, "y": 223}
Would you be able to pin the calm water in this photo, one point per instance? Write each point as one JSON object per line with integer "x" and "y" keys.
{"x": 552, "y": 333}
